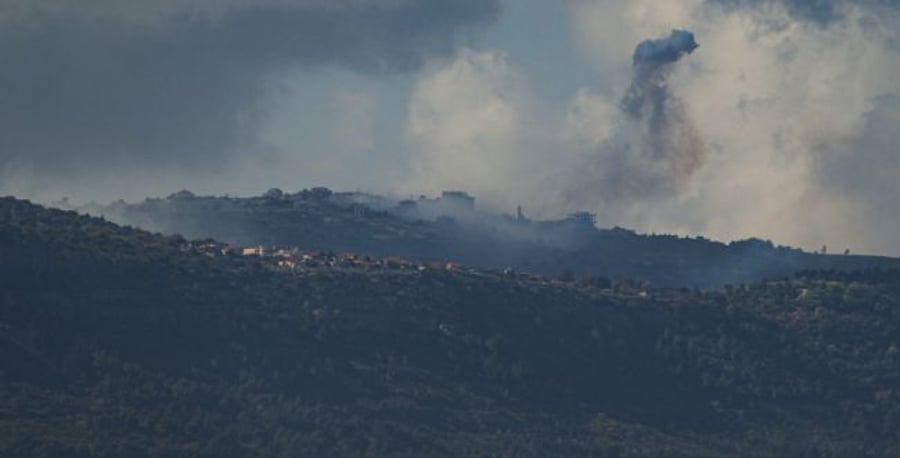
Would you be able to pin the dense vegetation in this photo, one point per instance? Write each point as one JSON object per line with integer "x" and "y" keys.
{"x": 118, "y": 342}
{"x": 319, "y": 219}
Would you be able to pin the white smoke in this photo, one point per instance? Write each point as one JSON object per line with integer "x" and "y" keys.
{"x": 469, "y": 125}
{"x": 783, "y": 106}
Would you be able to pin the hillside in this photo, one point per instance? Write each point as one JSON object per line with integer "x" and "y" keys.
{"x": 119, "y": 342}
{"x": 446, "y": 230}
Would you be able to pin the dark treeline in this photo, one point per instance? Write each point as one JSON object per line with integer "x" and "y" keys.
{"x": 117, "y": 342}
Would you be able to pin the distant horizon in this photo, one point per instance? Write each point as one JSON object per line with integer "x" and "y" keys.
{"x": 831, "y": 251}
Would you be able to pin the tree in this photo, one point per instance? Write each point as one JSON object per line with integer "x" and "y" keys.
{"x": 274, "y": 194}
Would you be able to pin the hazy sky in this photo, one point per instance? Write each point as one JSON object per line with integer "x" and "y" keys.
{"x": 783, "y": 124}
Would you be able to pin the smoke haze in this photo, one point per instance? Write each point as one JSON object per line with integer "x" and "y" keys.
{"x": 782, "y": 125}
{"x": 773, "y": 128}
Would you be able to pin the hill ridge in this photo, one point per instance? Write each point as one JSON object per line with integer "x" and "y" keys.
{"x": 449, "y": 229}
{"x": 119, "y": 342}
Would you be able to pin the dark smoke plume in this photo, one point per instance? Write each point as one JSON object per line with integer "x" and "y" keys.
{"x": 668, "y": 138}
{"x": 665, "y": 50}
{"x": 652, "y": 65}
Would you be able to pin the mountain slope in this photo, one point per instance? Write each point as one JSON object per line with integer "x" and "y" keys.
{"x": 117, "y": 342}
{"x": 335, "y": 222}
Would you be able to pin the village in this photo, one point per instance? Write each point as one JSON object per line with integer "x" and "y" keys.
{"x": 298, "y": 261}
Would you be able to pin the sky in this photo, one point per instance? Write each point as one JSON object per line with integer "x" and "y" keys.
{"x": 781, "y": 125}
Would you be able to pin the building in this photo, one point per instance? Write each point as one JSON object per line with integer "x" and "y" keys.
{"x": 582, "y": 218}
{"x": 253, "y": 251}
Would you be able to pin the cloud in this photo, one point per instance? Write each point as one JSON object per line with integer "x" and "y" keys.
{"x": 862, "y": 173}
{"x": 782, "y": 102}
{"x": 772, "y": 101}
{"x": 780, "y": 126}
{"x": 353, "y": 123}
{"x": 790, "y": 108}
{"x": 124, "y": 84}
{"x": 821, "y": 12}
{"x": 468, "y": 125}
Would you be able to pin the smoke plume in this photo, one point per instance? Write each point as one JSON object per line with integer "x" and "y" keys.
{"x": 667, "y": 135}
{"x": 652, "y": 62}
{"x": 783, "y": 126}
{"x": 791, "y": 99}
{"x": 779, "y": 128}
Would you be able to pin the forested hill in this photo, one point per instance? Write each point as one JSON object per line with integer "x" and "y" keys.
{"x": 117, "y": 342}
{"x": 447, "y": 230}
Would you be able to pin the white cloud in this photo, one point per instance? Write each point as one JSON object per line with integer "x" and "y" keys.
{"x": 768, "y": 94}
{"x": 468, "y": 126}
{"x": 779, "y": 104}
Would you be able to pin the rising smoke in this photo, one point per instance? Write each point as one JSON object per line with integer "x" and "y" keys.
{"x": 789, "y": 97}
{"x": 652, "y": 62}
{"x": 667, "y": 136}
{"x": 475, "y": 125}
{"x": 777, "y": 128}
{"x": 783, "y": 126}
